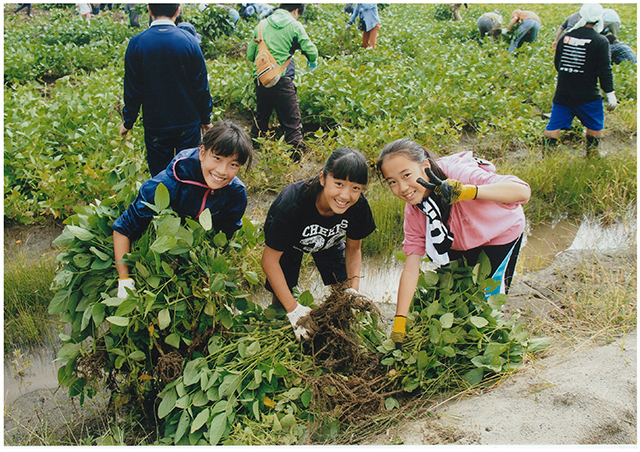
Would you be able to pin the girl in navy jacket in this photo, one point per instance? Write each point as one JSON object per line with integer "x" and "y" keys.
{"x": 197, "y": 179}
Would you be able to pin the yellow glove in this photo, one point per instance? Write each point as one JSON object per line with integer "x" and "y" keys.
{"x": 450, "y": 191}
{"x": 399, "y": 332}
{"x": 458, "y": 191}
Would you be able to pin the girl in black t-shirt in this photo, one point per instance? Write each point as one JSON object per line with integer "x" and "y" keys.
{"x": 327, "y": 216}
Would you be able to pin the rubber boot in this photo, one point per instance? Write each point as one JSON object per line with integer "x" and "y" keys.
{"x": 593, "y": 143}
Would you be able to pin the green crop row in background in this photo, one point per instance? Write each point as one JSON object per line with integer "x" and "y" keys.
{"x": 429, "y": 80}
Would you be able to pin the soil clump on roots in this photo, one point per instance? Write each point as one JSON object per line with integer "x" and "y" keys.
{"x": 356, "y": 386}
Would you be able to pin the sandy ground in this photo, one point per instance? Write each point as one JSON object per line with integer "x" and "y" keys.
{"x": 586, "y": 396}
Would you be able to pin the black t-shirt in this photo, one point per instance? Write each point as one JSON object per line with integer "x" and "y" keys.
{"x": 582, "y": 58}
{"x": 293, "y": 221}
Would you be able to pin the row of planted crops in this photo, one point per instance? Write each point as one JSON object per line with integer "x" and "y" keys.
{"x": 192, "y": 357}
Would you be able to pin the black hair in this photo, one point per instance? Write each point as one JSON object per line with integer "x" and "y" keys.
{"x": 163, "y": 9}
{"x": 344, "y": 164}
{"x": 417, "y": 153}
{"x": 226, "y": 138}
{"x": 291, "y": 7}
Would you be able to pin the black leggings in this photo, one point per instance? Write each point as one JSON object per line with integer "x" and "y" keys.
{"x": 497, "y": 255}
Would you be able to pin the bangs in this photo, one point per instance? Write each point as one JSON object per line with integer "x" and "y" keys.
{"x": 352, "y": 167}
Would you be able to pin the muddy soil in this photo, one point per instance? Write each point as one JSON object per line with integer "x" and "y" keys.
{"x": 576, "y": 393}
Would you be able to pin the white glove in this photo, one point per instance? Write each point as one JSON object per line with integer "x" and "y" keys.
{"x": 505, "y": 31}
{"x": 612, "y": 101}
{"x": 303, "y": 326}
{"x": 123, "y": 285}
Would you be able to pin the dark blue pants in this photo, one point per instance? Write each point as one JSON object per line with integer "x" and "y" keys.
{"x": 162, "y": 147}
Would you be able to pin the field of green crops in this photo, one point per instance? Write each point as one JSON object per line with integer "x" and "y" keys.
{"x": 190, "y": 357}
{"x": 428, "y": 80}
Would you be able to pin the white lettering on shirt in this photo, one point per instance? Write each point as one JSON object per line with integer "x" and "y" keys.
{"x": 316, "y": 238}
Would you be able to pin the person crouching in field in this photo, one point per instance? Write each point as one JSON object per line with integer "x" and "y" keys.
{"x": 456, "y": 206}
{"x": 197, "y": 179}
{"x": 315, "y": 216}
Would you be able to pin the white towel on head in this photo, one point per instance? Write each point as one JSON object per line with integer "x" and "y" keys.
{"x": 590, "y": 13}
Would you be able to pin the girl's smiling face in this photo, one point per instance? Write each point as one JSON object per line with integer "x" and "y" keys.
{"x": 337, "y": 195}
{"x": 218, "y": 170}
{"x": 400, "y": 172}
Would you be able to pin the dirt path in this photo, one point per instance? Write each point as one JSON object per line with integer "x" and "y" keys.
{"x": 584, "y": 396}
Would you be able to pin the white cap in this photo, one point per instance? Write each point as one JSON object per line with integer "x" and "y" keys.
{"x": 590, "y": 13}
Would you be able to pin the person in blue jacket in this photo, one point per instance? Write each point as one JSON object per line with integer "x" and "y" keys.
{"x": 166, "y": 75}
{"x": 200, "y": 178}
{"x": 368, "y": 23}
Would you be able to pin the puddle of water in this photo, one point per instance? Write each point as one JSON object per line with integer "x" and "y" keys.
{"x": 543, "y": 245}
{"x": 27, "y": 373}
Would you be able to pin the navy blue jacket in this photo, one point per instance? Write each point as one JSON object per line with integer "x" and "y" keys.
{"x": 189, "y": 195}
{"x": 165, "y": 72}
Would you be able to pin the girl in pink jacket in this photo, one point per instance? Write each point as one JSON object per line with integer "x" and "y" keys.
{"x": 457, "y": 206}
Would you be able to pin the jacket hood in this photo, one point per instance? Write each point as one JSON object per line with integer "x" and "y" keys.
{"x": 280, "y": 18}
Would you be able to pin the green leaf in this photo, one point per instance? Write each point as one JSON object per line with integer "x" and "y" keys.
{"x": 205, "y": 219}
{"x": 446, "y": 320}
{"x": 432, "y": 309}
{"x": 229, "y": 384}
{"x": 119, "y": 321}
{"x": 168, "y": 226}
{"x": 98, "y": 313}
{"x": 200, "y": 398}
{"x": 252, "y": 277}
{"x": 220, "y": 239}
{"x": 137, "y": 355}
{"x": 306, "y": 397}
{"x": 126, "y": 307}
{"x": 252, "y": 349}
{"x": 430, "y": 278}
{"x": 497, "y": 300}
{"x": 80, "y": 233}
{"x": 293, "y": 393}
{"x": 163, "y": 244}
{"x": 183, "y": 425}
{"x": 164, "y": 318}
{"x": 478, "y": 322}
{"x": 390, "y": 403}
{"x": 68, "y": 351}
{"x": 200, "y": 420}
{"x": 423, "y": 359}
{"x": 389, "y": 345}
{"x": 217, "y": 428}
{"x": 102, "y": 256}
{"x": 173, "y": 339}
{"x": 82, "y": 260}
{"x": 191, "y": 372}
{"x": 288, "y": 421}
{"x": 161, "y": 198}
{"x": 86, "y": 318}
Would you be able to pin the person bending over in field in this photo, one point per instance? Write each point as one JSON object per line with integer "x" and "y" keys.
{"x": 199, "y": 178}
{"x": 314, "y": 216}
{"x": 456, "y": 206}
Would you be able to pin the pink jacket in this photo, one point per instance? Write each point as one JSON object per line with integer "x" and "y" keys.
{"x": 474, "y": 223}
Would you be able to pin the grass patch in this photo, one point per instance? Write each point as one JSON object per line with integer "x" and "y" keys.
{"x": 566, "y": 184}
{"x": 26, "y": 299}
{"x": 388, "y": 212}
